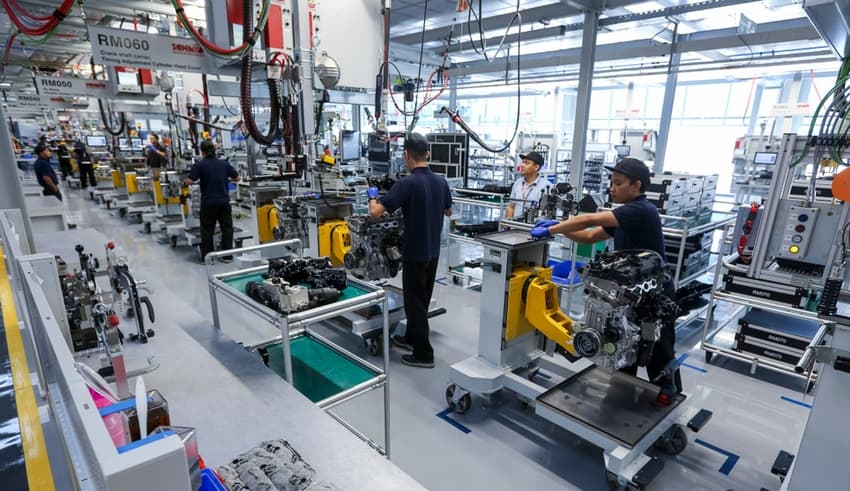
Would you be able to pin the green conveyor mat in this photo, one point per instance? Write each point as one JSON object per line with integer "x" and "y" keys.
{"x": 240, "y": 281}
{"x": 320, "y": 372}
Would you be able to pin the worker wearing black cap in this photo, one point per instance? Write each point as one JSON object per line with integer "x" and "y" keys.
{"x": 44, "y": 173}
{"x": 634, "y": 225}
{"x": 424, "y": 198}
{"x": 528, "y": 189}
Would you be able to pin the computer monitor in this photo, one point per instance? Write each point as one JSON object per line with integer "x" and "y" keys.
{"x": 623, "y": 150}
{"x": 379, "y": 151}
{"x": 349, "y": 146}
{"x": 124, "y": 144}
{"x": 96, "y": 141}
{"x": 765, "y": 158}
{"x": 136, "y": 142}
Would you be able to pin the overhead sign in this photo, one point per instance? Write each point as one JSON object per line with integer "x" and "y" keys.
{"x": 66, "y": 86}
{"x": 39, "y": 101}
{"x": 120, "y": 47}
{"x": 791, "y": 109}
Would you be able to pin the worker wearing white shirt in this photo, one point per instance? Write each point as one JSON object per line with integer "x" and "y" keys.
{"x": 528, "y": 189}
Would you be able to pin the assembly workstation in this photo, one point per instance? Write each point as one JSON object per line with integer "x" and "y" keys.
{"x": 133, "y": 358}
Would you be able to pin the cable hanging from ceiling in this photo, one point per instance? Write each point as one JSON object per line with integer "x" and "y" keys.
{"x": 32, "y": 25}
{"x": 834, "y": 134}
{"x": 106, "y": 116}
{"x": 453, "y": 114}
{"x": 232, "y": 52}
{"x": 245, "y": 91}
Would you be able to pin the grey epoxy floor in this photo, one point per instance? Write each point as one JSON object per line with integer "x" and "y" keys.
{"x": 507, "y": 446}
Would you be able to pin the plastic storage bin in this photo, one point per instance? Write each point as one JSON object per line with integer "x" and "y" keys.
{"x": 209, "y": 481}
{"x": 564, "y": 273}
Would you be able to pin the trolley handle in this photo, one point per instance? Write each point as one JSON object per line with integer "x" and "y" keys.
{"x": 809, "y": 355}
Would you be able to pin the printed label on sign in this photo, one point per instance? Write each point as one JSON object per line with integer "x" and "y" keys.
{"x": 120, "y": 47}
{"x": 70, "y": 86}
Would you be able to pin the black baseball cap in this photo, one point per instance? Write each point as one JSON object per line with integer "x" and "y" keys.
{"x": 534, "y": 157}
{"x": 633, "y": 168}
{"x": 40, "y": 148}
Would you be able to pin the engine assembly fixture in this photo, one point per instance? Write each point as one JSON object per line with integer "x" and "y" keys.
{"x": 375, "y": 245}
{"x": 625, "y": 308}
{"x": 292, "y": 285}
{"x": 291, "y": 219}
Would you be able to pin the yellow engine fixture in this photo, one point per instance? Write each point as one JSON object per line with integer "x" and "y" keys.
{"x": 266, "y": 222}
{"x": 334, "y": 240}
{"x": 117, "y": 179}
{"x": 533, "y": 304}
{"x": 160, "y": 199}
{"x": 132, "y": 183}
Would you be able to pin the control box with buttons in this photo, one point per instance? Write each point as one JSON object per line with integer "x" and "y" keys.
{"x": 798, "y": 232}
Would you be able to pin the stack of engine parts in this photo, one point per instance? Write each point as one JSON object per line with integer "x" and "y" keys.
{"x": 625, "y": 308}
{"x": 293, "y": 285}
{"x": 375, "y": 245}
{"x": 273, "y": 465}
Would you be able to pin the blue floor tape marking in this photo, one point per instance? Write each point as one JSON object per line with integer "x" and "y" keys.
{"x": 547, "y": 377}
{"x": 692, "y": 367}
{"x": 441, "y": 281}
{"x": 444, "y": 415}
{"x": 731, "y": 459}
{"x": 795, "y": 401}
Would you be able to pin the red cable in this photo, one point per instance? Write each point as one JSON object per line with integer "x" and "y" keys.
{"x": 206, "y": 101}
{"x": 812, "y": 76}
{"x": 45, "y": 28}
{"x": 204, "y": 41}
{"x": 9, "y": 48}
{"x": 39, "y": 18}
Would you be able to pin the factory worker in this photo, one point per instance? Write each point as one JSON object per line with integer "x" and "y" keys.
{"x": 44, "y": 173}
{"x": 424, "y": 198}
{"x": 634, "y": 225}
{"x": 155, "y": 155}
{"x": 529, "y": 188}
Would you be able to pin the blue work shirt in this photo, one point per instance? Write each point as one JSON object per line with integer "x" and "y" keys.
{"x": 44, "y": 169}
{"x": 639, "y": 226}
{"x": 423, "y": 198}
{"x": 215, "y": 175}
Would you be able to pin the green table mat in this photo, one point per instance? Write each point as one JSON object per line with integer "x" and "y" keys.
{"x": 319, "y": 371}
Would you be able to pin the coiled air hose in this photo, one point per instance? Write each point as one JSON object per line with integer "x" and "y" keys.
{"x": 245, "y": 86}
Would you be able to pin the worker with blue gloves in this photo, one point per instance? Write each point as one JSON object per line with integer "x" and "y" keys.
{"x": 424, "y": 198}
{"x": 634, "y": 225}
{"x": 155, "y": 155}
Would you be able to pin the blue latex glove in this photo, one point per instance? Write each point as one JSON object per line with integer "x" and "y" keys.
{"x": 546, "y": 223}
{"x": 540, "y": 232}
{"x": 373, "y": 193}
{"x": 152, "y": 148}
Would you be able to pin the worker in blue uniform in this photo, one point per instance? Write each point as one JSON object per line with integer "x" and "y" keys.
{"x": 44, "y": 173}
{"x": 214, "y": 175}
{"x": 634, "y": 225}
{"x": 424, "y": 198}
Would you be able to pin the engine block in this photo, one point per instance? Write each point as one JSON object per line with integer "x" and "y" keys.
{"x": 375, "y": 245}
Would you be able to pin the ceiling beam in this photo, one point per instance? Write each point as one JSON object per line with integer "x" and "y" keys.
{"x": 549, "y": 12}
{"x": 770, "y": 33}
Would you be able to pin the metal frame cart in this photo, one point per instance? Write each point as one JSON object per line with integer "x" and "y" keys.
{"x": 478, "y": 206}
{"x": 609, "y": 409}
{"x": 256, "y": 326}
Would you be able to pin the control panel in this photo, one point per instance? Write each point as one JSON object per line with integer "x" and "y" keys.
{"x": 798, "y": 232}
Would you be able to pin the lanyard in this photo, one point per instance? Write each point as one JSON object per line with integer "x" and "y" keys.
{"x": 523, "y": 191}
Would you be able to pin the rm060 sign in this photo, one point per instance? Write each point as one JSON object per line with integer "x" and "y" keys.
{"x": 123, "y": 42}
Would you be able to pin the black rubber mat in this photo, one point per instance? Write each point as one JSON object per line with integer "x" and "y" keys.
{"x": 13, "y": 473}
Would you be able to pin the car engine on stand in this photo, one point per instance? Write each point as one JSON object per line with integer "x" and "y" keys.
{"x": 625, "y": 308}
{"x": 292, "y": 285}
{"x": 375, "y": 245}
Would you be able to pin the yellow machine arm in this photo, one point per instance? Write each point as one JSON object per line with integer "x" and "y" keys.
{"x": 334, "y": 240}
{"x": 533, "y": 304}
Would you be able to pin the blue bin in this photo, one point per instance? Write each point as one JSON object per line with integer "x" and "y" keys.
{"x": 231, "y": 186}
{"x": 209, "y": 482}
{"x": 564, "y": 273}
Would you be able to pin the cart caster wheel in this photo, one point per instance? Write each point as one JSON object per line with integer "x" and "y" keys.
{"x": 151, "y": 333}
{"x": 615, "y": 485}
{"x": 673, "y": 441}
{"x": 122, "y": 213}
{"x": 108, "y": 205}
{"x": 809, "y": 387}
{"x": 143, "y": 339}
{"x": 173, "y": 241}
{"x": 238, "y": 244}
{"x": 374, "y": 345}
{"x": 147, "y": 227}
{"x": 708, "y": 356}
{"x": 455, "y": 280}
{"x": 462, "y": 405}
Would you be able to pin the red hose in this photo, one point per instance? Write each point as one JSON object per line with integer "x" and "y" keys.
{"x": 205, "y": 42}
{"x": 39, "y": 18}
{"x": 45, "y": 28}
